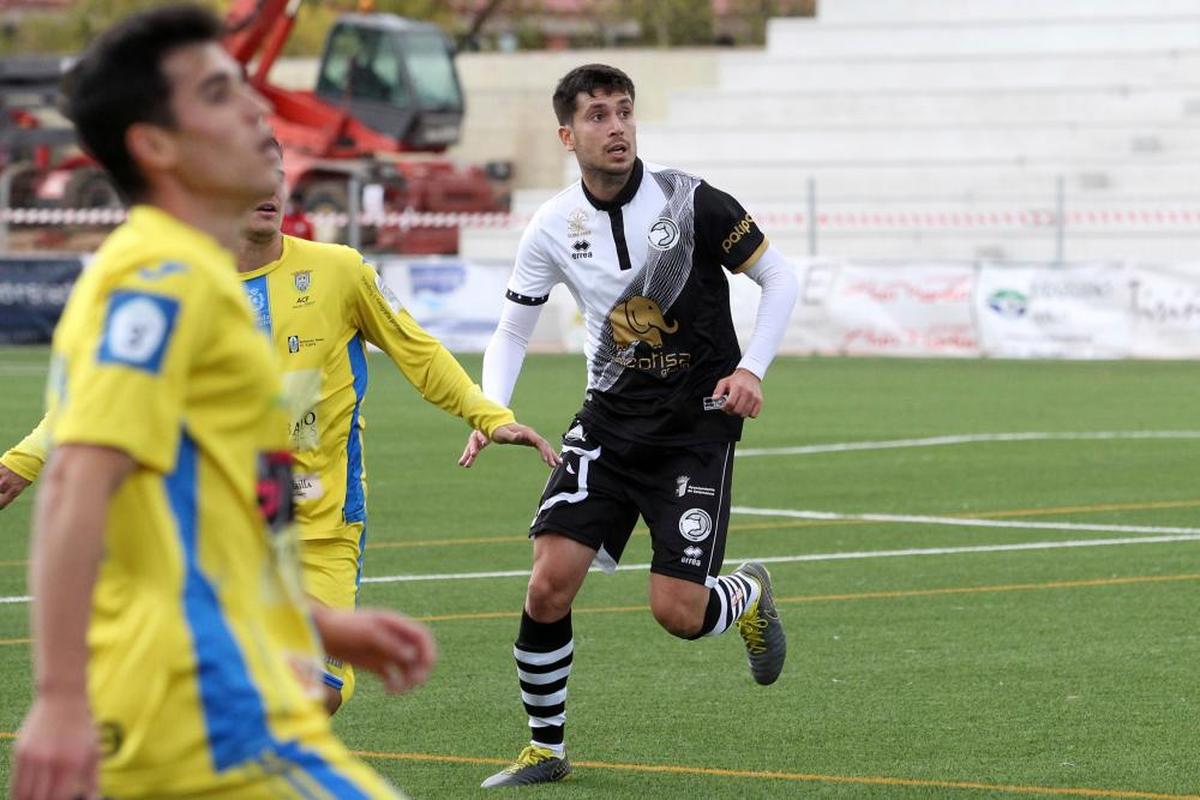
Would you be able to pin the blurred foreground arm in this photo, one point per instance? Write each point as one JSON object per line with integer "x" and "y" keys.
{"x": 57, "y": 749}
{"x": 397, "y": 649}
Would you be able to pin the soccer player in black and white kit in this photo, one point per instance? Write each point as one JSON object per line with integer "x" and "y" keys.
{"x": 644, "y": 250}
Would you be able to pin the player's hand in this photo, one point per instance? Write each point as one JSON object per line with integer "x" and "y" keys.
{"x": 516, "y": 433}
{"x": 397, "y": 649}
{"x": 742, "y": 391}
{"x": 475, "y": 444}
{"x": 57, "y": 751}
{"x": 11, "y": 485}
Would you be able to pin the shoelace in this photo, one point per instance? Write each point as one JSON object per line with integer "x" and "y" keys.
{"x": 752, "y": 633}
{"x": 529, "y": 756}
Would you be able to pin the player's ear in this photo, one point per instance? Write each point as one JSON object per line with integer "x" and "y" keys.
{"x": 567, "y": 137}
{"x": 150, "y": 146}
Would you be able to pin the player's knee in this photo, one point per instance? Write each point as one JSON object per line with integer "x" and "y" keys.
{"x": 332, "y": 700}
{"x": 678, "y": 619}
{"x": 549, "y": 597}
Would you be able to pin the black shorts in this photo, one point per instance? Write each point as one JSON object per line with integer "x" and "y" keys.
{"x": 596, "y": 495}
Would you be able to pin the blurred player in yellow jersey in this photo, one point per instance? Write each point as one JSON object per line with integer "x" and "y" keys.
{"x": 319, "y": 304}
{"x": 174, "y": 654}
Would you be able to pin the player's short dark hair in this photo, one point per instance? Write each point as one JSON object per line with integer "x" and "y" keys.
{"x": 589, "y": 78}
{"x": 118, "y": 81}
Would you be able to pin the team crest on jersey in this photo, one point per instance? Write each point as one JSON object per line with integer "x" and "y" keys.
{"x": 577, "y": 222}
{"x": 663, "y": 234}
{"x": 302, "y": 280}
{"x": 639, "y": 319}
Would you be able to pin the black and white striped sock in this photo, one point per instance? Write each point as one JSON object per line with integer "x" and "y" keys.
{"x": 544, "y": 651}
{"x": 731, "y": 596}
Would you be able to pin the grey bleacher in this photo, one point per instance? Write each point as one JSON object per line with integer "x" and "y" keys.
{"x": 931, "y": 128}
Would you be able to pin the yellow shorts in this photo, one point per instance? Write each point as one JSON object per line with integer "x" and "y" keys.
{"x": 332, "y": 567}
{"x": 315, "y": 769}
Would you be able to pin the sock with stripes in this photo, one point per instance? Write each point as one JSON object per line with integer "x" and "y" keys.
{"x": 731, "y": 596}
{"x": 544, "y": 651}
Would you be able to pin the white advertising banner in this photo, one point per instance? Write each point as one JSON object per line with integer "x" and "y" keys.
{"x": 1082, "y": 311}
{"x": 884, "y": 309}
{"x": 1166, "y": 311}
{"x": 457, "y": 301}
{"x": 1041, "y": 311}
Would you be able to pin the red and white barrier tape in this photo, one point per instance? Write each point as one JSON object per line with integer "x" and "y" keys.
{"x": 1141, "y": 218}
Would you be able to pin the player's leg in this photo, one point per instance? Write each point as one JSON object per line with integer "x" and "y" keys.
{"x": 332, "y": 568}
{"x": 583, "y": 517}
{"x": 689, "y": 520}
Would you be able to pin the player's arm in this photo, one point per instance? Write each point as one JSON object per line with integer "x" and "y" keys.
{"x": 397, "y": 649}
{"x": 503, "y": 359}
{"x": 742, "y": 389}
{"x": 434, "y": 371}
{"x": 529, "y": 287}
{"x": 20, "y": 466}
{"x": 57, "y": 751}
{"x": 734, "y": 239}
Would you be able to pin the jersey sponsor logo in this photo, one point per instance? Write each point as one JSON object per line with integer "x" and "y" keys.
{"x": 136, "y": 330}
{"x": 304, "y": 433}
{"x": 692, "y": 555}
{"x": 162, "y": 270}
{"x": 681, "y": 485}
{"x": 582, "y": 248}
{"x": 111, "y": 735}
{"x": 743, "y": 227}
{"x": 302, "y": 280}
{"x": 695, "y": 525}
{"x": 663, "y": 234}
{"x": 639, "y": 319}
{"x": 307, "y": 486}
{"x": 577, "y": 223}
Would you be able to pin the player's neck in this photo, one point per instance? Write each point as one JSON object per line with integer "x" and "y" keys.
{"x": 604, "y": 186}
{"x": 251, "y": 254}
{"x": 219, "y": 217}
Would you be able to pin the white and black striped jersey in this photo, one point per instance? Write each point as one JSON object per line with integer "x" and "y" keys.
{"x": 647, "y": 270}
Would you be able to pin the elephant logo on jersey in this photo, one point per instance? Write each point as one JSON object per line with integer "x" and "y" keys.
{"x": 639, "y": 319}
{"x": 663, "y": 234}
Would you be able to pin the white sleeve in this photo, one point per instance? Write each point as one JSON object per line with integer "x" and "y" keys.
{"x": 777, "y": 277}
{"x": 528, "y": 289}
{"x": 506, "y": 351}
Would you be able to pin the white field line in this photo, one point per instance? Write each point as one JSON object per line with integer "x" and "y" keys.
{"x": 960, "y": 522}
{"x": 937, "y": 441}
{"x": 853, "y": 555}
{"x": 23, "y": 369}
{"x": 845, "y": 556}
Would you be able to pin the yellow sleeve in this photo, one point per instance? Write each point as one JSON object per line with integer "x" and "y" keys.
{"x": 126, "y": 369}
{"x": 28, "y": 456}
{"x": 426, "y": 363}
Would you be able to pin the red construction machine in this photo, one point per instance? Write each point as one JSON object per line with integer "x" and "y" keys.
{"x": 386, "y": 105}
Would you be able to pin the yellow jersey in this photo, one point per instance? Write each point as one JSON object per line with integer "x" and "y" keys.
{"x": 203, "y": 660}
{"x": 321, "y": 304}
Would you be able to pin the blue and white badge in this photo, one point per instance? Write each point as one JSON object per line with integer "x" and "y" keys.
{"x": 137, "y": 328}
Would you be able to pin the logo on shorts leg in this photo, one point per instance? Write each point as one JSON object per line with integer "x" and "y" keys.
{"x": 692, "y": 554}
{"x": 695, "y": 525}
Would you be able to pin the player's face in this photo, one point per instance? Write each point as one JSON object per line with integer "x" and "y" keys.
{"x": 222, "y": 144}
{"x": 603, "y": 133}
{"x": 264, "y": 219}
